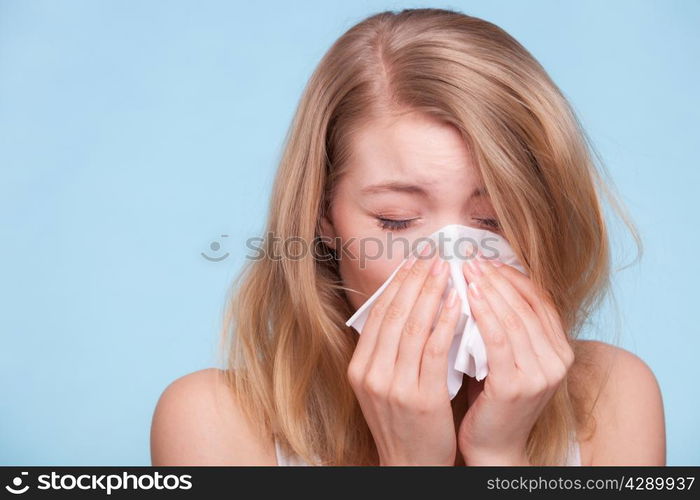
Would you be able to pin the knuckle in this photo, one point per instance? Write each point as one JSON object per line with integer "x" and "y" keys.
{"x": 509, "y": 393}
{"x": 433, "y": 286}
{"x": 355, "y": 375}
{"x": 377, "y": 310}
{"x": 400, "y": 398}
{"x": 424, "y": 406}
{"x": 374, "y": 385}
{"x": 511, "y": 320}
{"x": 416, "y": 269}
{"x": 393, "y": 312}
{"x": 421, "y": 266}
{"x": 414, "y": 327}
{"x": 523, "y": 310}
{"x": 486, "y": 286}
{"x": 498, "y": 338}
{"x": 444, "y": 319}
{"x": 569, "y": 357}
{"x": 559, "y": 371}
{"x": 432, "y": 350}
{"x": 538, "y": 384}
{"x": 401, "y": 274}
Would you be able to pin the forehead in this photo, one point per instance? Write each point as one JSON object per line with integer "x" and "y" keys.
{"x": 411, "y": 147}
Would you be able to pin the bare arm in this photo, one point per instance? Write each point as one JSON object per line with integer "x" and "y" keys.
{"x": 197, "y": 422}
{"x": 630, "y": 415}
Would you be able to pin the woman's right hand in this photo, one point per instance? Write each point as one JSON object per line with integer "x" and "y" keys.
{"x": 399, "y": 368}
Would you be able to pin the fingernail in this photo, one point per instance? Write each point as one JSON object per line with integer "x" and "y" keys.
{"x": 425, "y": 249}
{"x": 475, "y": 289}
{"x": 452, "y": 298}
{"x": 496, "y": 262}
{"x": 411, "y": 261}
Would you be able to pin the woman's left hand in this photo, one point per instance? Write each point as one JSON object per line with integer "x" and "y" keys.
{"x": 528, "y": 358}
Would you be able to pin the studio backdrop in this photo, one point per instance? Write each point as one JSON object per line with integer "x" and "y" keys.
{"x": 138, "y": 143}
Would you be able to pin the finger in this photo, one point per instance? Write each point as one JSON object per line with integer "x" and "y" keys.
{"x": 434, "y": 356}
{"x": 498, "y": 349}
{"x": 511, "y": 323}
{"x": 419, "y": 324}
{"x": 538, "y": 339}
{"x": 541, "y": 304}
{"x": 383, "y": 358}
{"x": 365, "y": 344}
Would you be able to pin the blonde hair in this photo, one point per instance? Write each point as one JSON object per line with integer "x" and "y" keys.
{"x": 284, "y": 335}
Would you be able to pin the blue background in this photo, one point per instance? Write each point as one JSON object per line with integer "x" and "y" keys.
{"x": 133, "y": 135}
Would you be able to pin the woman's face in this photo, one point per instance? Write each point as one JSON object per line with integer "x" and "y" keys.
{"x": 408, "y": 177}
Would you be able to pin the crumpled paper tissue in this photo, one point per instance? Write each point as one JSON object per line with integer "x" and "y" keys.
{"x": 457, "y": 244}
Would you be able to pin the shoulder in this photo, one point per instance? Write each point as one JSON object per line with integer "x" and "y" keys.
{"x": 197, "y": 421}
{"x": 626, "y": 403}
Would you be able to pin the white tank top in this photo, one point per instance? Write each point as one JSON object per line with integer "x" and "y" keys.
{"x": 573, "y": 459}
{"x": 283, "y": 459}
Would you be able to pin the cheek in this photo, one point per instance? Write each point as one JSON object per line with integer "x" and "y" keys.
{"x": 366, "y": 276}
{"x": 365, "y": 258}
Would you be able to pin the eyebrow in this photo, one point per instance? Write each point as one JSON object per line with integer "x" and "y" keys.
{"x": 402, "y": 187}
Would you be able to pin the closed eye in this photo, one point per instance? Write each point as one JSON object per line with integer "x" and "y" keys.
{"x": 401, "y": 224}
{"x": 394, "y": 225}
{"x": 491, "y": 223}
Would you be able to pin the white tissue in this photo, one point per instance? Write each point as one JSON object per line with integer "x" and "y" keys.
{"x": 456, "y": 242}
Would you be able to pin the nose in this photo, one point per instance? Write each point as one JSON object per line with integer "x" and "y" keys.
{"x": 444, "y": 241}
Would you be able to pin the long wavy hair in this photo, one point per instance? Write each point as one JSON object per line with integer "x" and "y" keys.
{"x": 284, "y": 340}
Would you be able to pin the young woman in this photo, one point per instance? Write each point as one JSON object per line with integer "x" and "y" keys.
{"x": 414, "y": 120}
